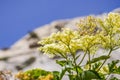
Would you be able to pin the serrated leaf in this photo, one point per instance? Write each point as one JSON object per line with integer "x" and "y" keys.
{"x": 72, "y": 77}
{"x": 62, "y": 73}
{"x": 99, "y": 58}
{"x": 61, "y": 63}
{"x": 56, "y": 75}
{"x": 113, "y": 68}
{"x": 118, "y": 70}
{"x": 89, "y": 75}
{"x": 96, "y": 65}
{"x": 79, "y": 69}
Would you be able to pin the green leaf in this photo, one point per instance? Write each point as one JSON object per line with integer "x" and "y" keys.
{"x": 56, "y": 75}
{"x": 96, "y": 65}
{"x": 113, "y": 68}
{"x": 62, "y": 73}
{"x": 36, "y": 73}
{"x": 79, "y": 69}
{"x": 118, "y": 70}
{"x": 99, "y": 58}
{"x": 62, "y": 62}
{"x": 72, "y": 77}
{"x": 90, "y": 74}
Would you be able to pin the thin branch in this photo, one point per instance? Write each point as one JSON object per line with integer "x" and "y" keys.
{"x": 83, "y": 58}
{"x": 105, "y": 60}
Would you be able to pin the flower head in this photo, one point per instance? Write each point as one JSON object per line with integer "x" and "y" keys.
{"x": 60, "y": 42}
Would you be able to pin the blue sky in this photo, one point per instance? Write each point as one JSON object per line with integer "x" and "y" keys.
{"x": 18, "y": 17}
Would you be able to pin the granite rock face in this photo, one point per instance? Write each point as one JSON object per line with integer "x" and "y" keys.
{"x": 23, "y": 55}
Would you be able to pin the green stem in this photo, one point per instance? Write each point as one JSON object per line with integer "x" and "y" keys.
{"x": 73, "y": 55}
{"x": 104, "y": 60}
{"x": 75, "y": 63}
{"x": 83, "y": 58}
{"x": 74, "y": 60}
{"x": 89, "y": 60}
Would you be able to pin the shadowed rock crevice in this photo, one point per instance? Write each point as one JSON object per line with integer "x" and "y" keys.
{"x": 34, "y": 45}
{"x": 26, "y": 63}
{"x": 33, "y": 35}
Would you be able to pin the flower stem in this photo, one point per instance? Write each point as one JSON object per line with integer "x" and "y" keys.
{"x": 83, "y": 58}
{"x": 89, "y": 60}
{"x": 105, "y": 60}
{"x": 74, "y": 60}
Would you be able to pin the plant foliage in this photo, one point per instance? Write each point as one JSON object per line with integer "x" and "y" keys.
{"x": 93, "y": 35}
